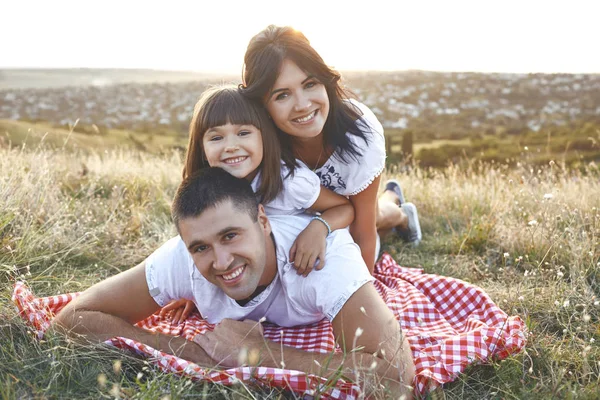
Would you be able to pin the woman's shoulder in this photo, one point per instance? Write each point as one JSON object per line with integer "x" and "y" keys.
{"x": 353, "y": 176}
{"x": 368, "y": 121}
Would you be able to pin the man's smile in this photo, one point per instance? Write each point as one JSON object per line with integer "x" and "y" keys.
{"x": 233, "y": 277}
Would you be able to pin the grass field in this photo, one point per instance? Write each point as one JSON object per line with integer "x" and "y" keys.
{"x": 74, "y": 138}
{"x": 70, "y": 217}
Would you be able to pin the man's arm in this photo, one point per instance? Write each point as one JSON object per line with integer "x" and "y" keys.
{"x": 375, "y": 355}
{"x": 365, "y": 323}
{"x": 111, "y": 307}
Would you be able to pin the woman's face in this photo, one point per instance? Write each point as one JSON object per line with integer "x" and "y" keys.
{"x": 298, "y": 103}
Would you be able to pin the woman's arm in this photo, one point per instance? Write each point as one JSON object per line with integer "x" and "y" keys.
{"x": 363, "y": 229}
{"x": 334, "y": 208}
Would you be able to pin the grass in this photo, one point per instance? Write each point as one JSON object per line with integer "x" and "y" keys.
{"x": 527, "y": 235}
{"x": 34, "y": 134}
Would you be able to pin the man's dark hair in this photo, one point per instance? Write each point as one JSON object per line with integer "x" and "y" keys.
{"x": 208, "y": 188}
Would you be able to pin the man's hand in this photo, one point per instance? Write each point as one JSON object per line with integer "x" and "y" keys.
{"x": 234, "y": 343}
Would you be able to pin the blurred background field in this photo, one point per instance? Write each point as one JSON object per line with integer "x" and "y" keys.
{"x": 432, "y": 118}
{"x": 503, "y": 168}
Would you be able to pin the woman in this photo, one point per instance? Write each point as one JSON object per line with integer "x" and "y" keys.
{"x": 321, "y": 125}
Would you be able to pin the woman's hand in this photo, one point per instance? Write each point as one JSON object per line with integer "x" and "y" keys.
{"x": 178, "y": 310}
{"x": 309, "y": 247}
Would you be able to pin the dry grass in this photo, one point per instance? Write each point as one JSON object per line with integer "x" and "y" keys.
{"x": 528, "y": 237}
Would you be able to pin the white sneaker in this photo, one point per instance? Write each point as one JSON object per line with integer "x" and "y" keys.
{"x": 413, "y": 233}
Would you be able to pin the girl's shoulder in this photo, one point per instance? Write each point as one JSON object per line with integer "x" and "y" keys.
{"x": 303, "y": 183}
{"x": 300, "y": 191}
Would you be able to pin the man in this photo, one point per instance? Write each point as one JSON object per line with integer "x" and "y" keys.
{"x": 233, "y": 262}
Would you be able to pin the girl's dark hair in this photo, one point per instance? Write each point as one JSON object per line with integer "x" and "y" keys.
{"x": 262, "y": 63}
{"x": 222, "y": 105}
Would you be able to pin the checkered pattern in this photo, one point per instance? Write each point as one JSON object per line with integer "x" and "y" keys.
{"x": 449, "y": 324}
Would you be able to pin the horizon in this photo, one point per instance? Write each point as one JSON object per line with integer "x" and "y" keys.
{"x": 433, "y": 36}
{"x": 200, "y": 72}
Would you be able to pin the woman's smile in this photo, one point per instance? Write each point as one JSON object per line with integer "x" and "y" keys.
{"x": 298, "y": 103}
{"x": 306, "y": 119}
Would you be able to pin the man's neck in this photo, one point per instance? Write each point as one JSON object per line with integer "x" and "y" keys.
{"x": 259, "y": 290}
{"x": 269, "y": 273}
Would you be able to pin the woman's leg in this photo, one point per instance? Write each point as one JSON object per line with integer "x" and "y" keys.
{"x": 404, "y": 219}
{"x": 389, "y": 214}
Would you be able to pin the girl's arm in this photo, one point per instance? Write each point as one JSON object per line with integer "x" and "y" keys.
{"x": 334, "y": 208}
{"x": 363, "y": 229}
{"x": 310, "y": 245}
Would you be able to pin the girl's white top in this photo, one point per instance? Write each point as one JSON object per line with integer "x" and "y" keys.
{"x": 300, "y": 191}
{"x": 355, "y": 176}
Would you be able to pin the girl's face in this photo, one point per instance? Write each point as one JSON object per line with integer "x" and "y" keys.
{"x": 298, "y": 103}
{"x": 238, "y": 149}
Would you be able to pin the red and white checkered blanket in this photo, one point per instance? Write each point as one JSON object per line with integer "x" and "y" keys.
{"x": 449, "y": 324}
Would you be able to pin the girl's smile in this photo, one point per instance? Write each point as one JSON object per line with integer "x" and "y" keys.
{"x": 238, "y": 149}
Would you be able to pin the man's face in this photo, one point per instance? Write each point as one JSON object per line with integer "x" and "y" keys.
{"x": 228, "y": 248}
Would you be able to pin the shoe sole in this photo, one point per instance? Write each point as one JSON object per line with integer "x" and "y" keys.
{"x": 414, "y": 235}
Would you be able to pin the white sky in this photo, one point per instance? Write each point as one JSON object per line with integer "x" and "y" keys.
{"x": 212, "y": 35}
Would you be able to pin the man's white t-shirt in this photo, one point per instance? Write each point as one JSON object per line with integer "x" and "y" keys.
{"x": 289, "y": 300}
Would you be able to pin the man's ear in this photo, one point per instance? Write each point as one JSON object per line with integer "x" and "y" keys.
{"x": 263, "y": 220}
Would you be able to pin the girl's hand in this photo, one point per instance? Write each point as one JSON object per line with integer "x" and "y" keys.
{"x": 309, "y": 247}
{"x": 178, "y": 310}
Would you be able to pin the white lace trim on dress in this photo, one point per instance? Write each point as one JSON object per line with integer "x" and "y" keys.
{"x": 366, "y": 185}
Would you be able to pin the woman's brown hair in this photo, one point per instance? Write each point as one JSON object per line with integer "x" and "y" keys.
{"x": 221, "y": 105}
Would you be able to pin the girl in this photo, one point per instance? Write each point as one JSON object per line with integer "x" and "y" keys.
{"x": 233, "y": 132}
{"x": 338, "y": 137}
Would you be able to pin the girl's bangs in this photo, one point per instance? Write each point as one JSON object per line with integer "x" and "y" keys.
{"x": 230, "y": 107}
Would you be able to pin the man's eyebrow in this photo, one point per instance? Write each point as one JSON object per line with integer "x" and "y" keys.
{"x": 282, "y": 89}
{"x": 194, "y": 243}
{"x": 222, "y": 232}
{"x": 227, "y": 229}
